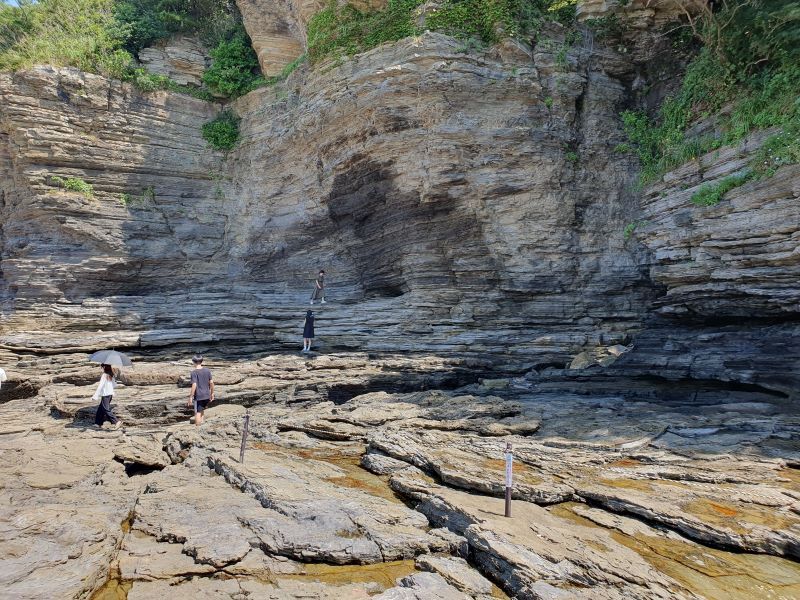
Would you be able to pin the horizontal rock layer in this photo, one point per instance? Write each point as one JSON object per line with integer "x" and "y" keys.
{"x": 466, "y": 204}
{"x": 460, "y": 203}
{"x": 731, "y": 275}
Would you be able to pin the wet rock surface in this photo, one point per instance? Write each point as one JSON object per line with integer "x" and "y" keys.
{"x": 389, "y": 494}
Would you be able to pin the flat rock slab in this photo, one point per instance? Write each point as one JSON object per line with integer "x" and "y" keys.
{"x": 316, "y": 514}
{"x": 63, "y": 506}
{"x": 753, "y": 518}
{"x": 227, "y": 589}
{"x": 491, "y": 416}
{"x": 190, "y": 506}
{"x": 756, "y": 513}
{"x": 468, "y": 462}
{"x": 424, "y": 586}
{"x": 536, "y": 554}
{"x": 457, "y": 572}
{"x": 709, "y": 572}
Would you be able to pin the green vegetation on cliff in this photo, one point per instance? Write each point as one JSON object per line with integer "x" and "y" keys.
{"x": 222, "y": 132}
{"x": 342, "y": 29}
{"x": 745, "y": 77}
{"x": 105, "y": 36}
{"x": 73, "y": 184}
{"x": 79, "y": 33}
{"x": 235, "y": 67}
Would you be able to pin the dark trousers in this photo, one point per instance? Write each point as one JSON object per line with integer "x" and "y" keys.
{"x": 104, "y": 412}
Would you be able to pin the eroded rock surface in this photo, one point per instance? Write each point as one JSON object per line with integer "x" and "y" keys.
{"x": 163, "y": 507}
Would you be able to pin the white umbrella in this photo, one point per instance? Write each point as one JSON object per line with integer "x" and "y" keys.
{"x": 111, "y": 357}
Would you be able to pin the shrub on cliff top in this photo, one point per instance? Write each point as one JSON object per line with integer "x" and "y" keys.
{"x": 343, "y": 29}
{"x": 235, "y": 69}
{"x": 222, "y": 132}
{"x": 347, "y": 30}
{"x": 145, "y": 21}
{"x": 80, "y": 33}
{"x": 102, "y": 36}
{"x": 751, "y": 64}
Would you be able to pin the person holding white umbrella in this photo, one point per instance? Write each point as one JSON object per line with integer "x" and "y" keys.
{"x": 105, "y": 388}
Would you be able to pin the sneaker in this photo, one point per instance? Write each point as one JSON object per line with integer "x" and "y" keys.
{"x": 312, "y": 303}
{"x": 117, "y": 425}
{"x": 323, "y": 301}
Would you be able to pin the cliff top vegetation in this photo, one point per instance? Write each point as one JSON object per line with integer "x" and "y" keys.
{"x": 105, "y": 36}
{"x": 341, "y": 29}
{"x": 746, "y": 76}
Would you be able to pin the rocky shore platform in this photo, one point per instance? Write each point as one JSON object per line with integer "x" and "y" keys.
{"x": 381, "y": 476}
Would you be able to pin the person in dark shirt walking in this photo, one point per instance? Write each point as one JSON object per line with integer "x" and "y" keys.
{"x": 308, "y": 331}
{"x": 202, "y": 393}
{"x": 319, "y": 288}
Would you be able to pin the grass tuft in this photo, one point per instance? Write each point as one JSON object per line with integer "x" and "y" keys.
{"x": 710, "y": 194}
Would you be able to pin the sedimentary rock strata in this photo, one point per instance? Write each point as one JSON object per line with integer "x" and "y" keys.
{"x": 425, "y": 244}
{"x": 471, "y": 214}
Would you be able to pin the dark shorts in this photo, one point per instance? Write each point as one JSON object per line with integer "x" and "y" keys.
{"x": 200, "y": 405}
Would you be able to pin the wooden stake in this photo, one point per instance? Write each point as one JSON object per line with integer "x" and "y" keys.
{"x": 244, "y": 436}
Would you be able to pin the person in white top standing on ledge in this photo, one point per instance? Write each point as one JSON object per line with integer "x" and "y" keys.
{"x": 104, "y": 393}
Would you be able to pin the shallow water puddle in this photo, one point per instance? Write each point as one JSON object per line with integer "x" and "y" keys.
{"x": 382, "y": 574}
{"x": 791, "y": 478}
{"x": 711, "y": 573}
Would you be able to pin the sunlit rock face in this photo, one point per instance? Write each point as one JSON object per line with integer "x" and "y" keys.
{"x": 639, "y": 14}
{"x": 182, "y": 58}
{"x": 277, "y": 29}
{"x": 459, "y": 202}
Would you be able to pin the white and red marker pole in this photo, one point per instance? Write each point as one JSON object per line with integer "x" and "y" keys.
{"x": 509, "y": 477}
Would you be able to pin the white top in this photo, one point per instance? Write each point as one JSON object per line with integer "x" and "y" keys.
{"x": 2, "y": 376}
{"x": 105, "y": 387}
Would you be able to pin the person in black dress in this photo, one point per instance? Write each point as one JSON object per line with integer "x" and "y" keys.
{"x": 308, "y": 331}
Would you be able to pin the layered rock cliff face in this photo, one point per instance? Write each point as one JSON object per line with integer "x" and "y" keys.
{"x": 278, "y": 29}
{"x": 467, "y": 203}
{"x": 470, "y": 210}
{"x": 730, "y": 274}
{"x": 459, "y": 202}
{"x": 72, "y": 262}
